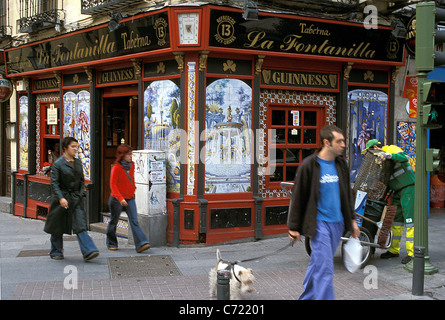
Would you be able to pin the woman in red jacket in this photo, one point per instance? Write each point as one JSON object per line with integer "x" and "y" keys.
{"x": 122, "y": 198}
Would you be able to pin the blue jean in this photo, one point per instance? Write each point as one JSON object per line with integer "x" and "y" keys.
{"x": 139, "y": 236}
{"x": 86, "y": 244}
{"x": 319, "y": 280}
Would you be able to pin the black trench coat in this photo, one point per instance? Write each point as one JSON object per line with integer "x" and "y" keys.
{"x": 66, "y": 182}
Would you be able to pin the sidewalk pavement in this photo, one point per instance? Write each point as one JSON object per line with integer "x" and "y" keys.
{"x": 170, "y": 273}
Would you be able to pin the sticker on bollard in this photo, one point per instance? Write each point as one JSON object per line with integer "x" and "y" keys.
{"x": 223, "y": 285}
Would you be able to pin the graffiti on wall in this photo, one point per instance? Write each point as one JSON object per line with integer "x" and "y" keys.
{"x": 406, "y": 140}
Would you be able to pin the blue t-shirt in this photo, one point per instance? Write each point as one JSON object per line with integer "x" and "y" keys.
{"x": 329, "y": 207}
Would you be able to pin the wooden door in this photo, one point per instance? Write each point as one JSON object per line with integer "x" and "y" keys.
{"x": 119, "y": 116}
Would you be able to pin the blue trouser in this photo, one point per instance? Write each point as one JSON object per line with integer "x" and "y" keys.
{"x": 319, "y": 280}
{"x": 115, "y": 211}
{"x": 86, "y": 244}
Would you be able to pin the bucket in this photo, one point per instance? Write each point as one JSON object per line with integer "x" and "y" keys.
{"x": 373, "y": 211}
{"x": 437, "y": 196}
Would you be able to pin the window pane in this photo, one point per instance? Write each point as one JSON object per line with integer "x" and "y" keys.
{"x": 277, "y": 156}
{"x": 278, "y": 117}
{"x": 280, "y": 136}
{"x": 292, "y": 155}
{"x": 310, "y": 118}
{"x": 310, "y": 136}
{"x": 307, "y": 152}
{"x": 290, "y": 173}
{"x": 276, "y": 173}
{"x": 294, "y": 136}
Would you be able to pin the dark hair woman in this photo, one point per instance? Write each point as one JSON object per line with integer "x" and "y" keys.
{"x": 66, "y": 214}
{"x": 122, "y": 198}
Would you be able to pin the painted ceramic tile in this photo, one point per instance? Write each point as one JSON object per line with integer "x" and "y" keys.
{"x": 23, "y": 132}
{"x": 76, "y": 123}
{"x": 367, "y": 120}
{"x": 162, "y": 107}
{"x": 406, "y": 139}
{"x": 228, "y": 136}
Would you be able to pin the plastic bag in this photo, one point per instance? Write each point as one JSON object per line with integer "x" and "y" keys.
{"x": 352, "y": 254}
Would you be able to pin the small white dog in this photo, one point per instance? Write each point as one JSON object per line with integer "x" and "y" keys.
{"x": 241, "y": 279}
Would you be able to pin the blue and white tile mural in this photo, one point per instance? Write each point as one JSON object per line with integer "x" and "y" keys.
{"x": 162, "y": 113}
{"x": 76, "y": 123}
{"x": 367, "y": 119}
{"x": 228, "y": 136}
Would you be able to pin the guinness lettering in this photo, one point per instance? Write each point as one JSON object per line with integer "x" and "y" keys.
{"x": 116, "y": 76}
{"x": 46, "y": 84}
{"x": 300, "y": 79}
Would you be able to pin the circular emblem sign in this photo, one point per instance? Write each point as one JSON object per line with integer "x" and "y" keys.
{"x": 410, "y": 41}
{"x": 5, "y": 88}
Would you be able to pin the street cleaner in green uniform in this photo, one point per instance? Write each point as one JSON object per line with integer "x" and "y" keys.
{"x": 402, "y": 183}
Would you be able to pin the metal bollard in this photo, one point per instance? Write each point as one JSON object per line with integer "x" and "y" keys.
{"x": 418, "y": 271}
{"x": 223, "y": 285}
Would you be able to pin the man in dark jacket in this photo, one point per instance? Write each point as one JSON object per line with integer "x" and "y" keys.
{"x": 321, "y": 208}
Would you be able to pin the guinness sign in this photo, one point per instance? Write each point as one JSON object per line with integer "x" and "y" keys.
{"x": 46, "y": 84}
{"x": 120, "y": 75}
{"x": 300, "y": 79}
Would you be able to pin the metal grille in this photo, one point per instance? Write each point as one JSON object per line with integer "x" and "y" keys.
{"x": 38, "y": 14}
{"x": 373, "y": 178}
{"x": 145, "y": 266}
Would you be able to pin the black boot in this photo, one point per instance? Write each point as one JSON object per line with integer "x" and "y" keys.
{"x": 388, "y": 255}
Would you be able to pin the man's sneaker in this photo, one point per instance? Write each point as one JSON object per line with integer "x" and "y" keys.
{"x": 92, "y": 255}
{"x": 406, "y": 259}
{"x": 388, "y": 255}
{"x": 143, "y": 248}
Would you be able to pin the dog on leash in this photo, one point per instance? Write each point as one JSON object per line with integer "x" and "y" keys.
{"x": 241, "y": 279}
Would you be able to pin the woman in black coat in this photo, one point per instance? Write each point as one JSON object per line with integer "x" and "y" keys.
{"x": 66, "y": 213}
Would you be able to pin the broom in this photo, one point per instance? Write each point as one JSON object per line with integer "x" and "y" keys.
{"x": 389, "y": 212}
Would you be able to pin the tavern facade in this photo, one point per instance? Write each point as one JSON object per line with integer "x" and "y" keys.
{"x": 236, "y": 105}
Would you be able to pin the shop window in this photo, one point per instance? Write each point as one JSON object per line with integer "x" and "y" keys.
{"x": 50, "y": 135}
{"x": 296, "y": 132}
{"x": 276, "y": 215}
{"x": 230, "y": 218}
{"x": 189, "y": 219}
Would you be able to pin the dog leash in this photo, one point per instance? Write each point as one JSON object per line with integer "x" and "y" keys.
{"x": 290, "y": 244}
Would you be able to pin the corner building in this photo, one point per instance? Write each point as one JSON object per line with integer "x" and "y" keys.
{"x": 236, "y": 104}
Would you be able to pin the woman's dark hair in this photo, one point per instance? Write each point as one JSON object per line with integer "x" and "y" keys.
{"x": 66, "y": 142}
{"x": 327, "y": 133}
{"x": 121, "y": 151}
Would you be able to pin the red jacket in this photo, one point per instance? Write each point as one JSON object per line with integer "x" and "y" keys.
{"x": 121, "y": 186}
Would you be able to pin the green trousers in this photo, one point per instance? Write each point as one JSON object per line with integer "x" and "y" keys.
{"x": 404, "y": 200}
